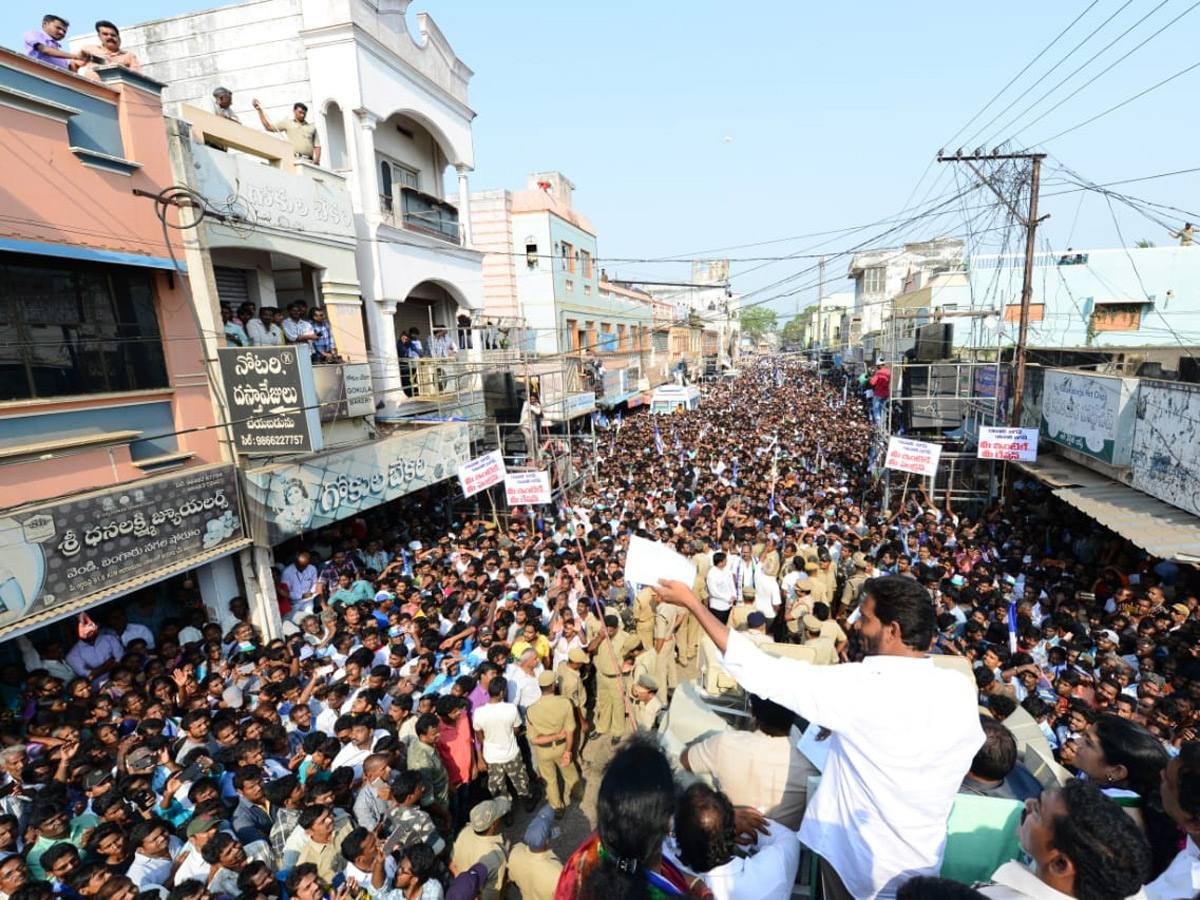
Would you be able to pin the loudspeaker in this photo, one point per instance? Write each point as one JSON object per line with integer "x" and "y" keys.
{"x": 931, "y": 397}
{"x": 501, "y": 398}
{"x": 935, "y": 341}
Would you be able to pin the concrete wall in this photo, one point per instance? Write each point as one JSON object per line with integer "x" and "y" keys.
{"x": 1164, "y": 280}
{"x": 1166, "y": 443}
{"x": 98, "y": 213}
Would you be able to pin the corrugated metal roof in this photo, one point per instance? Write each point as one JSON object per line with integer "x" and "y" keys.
{"x": 87, "y": 602}
{"x": 1059, "y": 473}
{"x": 1158, "y": 528}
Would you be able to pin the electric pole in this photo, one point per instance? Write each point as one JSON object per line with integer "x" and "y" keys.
{"x": 1030, "y": 222}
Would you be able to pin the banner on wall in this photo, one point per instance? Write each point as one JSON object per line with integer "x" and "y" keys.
{"x": 286, "y": 500}
{"x": 481, "y": 473}
{"x": 917, "y": 457}
{"x": 59, "y": 553}
{"x": 527, "y": 488}
{"x": 1019, "y": 444}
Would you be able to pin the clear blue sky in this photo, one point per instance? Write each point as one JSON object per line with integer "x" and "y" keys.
{"x": 698, "y": 125}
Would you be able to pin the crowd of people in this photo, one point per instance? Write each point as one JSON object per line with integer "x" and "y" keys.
{"x": 442, "y": 694}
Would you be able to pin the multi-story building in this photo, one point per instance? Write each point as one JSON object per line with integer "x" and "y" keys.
{"x": 114, "y": 478}
{"x": 541, "y": 267}
{"x": 392, "y": 115}
{"x": 830, "y": 326}
{"x": 881, "y": 275}
{"x": 1117, "y": 297}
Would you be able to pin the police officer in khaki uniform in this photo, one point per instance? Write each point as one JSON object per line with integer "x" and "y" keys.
{"x": 822, "y": 646}
{"x": 610, "y": 705}
{"x": 667, "y": 621}
{"x": 689, "y": 632}
{"x": 571, "y": 687}
{"x": 550, "y": 728}
{"x": 643, "y": 616}
{"x": 853, "y": 586}
{"x": 532, "y": 865}
{"x": 647, "y": 708}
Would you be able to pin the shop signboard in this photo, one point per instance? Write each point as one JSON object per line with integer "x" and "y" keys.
{"x": 481, "y": 473}
{"x": 343, "y": 391}
{"x": 578, "y": 404}
{"x": 1019, "y": 444}
{"x": 91, "y": 544}
{"x": 916, "y": 457}
{"x": 286, "y": 500}
{"x": 1092, "y": 414}
{"x": 272, "y": 400}
{"x": 527, "y": 488}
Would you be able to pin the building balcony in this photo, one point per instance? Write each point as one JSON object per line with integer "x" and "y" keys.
{"x": 438, "y": 380}
{"x": 422, "y": 213}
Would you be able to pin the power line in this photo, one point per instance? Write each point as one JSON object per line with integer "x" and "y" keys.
{"x": 1107, "y": 68}
{"x": 1025, "y": 69}
{"x": 1117, "y": 106}
{"x": 1046, "y": 74}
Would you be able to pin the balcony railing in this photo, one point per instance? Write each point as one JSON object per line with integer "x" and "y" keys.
{"x": 412, "y": 210}
{"x": 437, "y": 379}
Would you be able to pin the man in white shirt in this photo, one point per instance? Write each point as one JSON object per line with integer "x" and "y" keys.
{"x": 903, "y": 736}
{"x": 705, "y": 843}
{"x": 297, "y": 329}
{"x": 263, "y": 332}
{"x": 523, "y": 690}
{"x": 1082, "y": 844}
{"x": 1181, "y": 801}
{"x": 721, "y": 588}
{"x": 301, "y": 581}
{"x": 496, "y": 726}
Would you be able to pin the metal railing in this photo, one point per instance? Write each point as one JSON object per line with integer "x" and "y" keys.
{"x": 412, "y": 210}
{"x": 436, "y": 379}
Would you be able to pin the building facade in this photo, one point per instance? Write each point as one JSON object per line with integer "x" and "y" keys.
{"x": 1122, "y": 297}
{"x": 392, "y": 115}
{"x": 116, "y": 481}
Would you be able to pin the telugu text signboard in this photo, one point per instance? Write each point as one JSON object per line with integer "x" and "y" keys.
{"x": 272, "y": 400}
{"x": 287, "y": 500}
{"x": 1019, "y": 444}
{"x": 916, "y": 457}
{"x": 527, "y": 488}
{"x": 57, "y": 553}
{"x": 481, "y": 473}
{"x": 1093, "y": 414}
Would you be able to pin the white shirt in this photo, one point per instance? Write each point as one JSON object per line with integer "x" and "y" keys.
{"x": 904, "y": 735}
{"x": 1181, "y": 878}
{"x": 720, "y": 588}
{"x": 523, "y": 689}
{"x": 263, "y": 336}
{"x": 498, "y": 722}
{"x": 133, "y": 632}
{"x": 769, "y": 874}
{"x": 1013, "y": 881}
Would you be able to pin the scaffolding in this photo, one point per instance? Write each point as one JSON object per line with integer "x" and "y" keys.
{"x": 942, "y": 401}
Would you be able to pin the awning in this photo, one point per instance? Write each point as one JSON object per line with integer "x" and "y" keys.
{"x": 616, "y": 399}
{"x": 89, "y": 254}
{"x": 1158, "y": 528}
{"x": 29, "y": 623}
{"x": 1060, "y": 473}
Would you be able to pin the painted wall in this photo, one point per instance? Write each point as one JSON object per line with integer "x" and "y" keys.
{"x": 1166, "y": 443}
{"x": 1164, "y": 280}
{"x": 98, "y": 213}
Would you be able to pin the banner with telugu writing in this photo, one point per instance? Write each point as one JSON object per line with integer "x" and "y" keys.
{"x": 1019, "y": 444}
{"x": 481, "y": 473}
{"x": 57, "y": 553}
{"x": 527, "y": 488}
{"x": 917, "y": 457}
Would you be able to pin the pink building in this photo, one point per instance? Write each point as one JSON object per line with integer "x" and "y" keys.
{"x": 114, "y": 481}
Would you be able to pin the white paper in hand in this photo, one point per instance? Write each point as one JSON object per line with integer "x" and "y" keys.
{"x": 816, "y": 751}
{"x": 648, "y": 561}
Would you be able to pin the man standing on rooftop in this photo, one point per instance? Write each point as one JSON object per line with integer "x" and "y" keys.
{"x": 302, "y": 135}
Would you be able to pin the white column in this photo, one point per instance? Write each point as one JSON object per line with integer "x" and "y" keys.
{"x": 218, "y": 585}
{"x": 368, "y": 174}
{"x": 385, "y": 367}
{"x": 256, "y": 565}
{"x": 464, "y": 204}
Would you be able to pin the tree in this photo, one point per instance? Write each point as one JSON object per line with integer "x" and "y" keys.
{"x": 757, "y": 321}
{"x": 794, "y": 331}
{"x": 1143, "y": 244}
